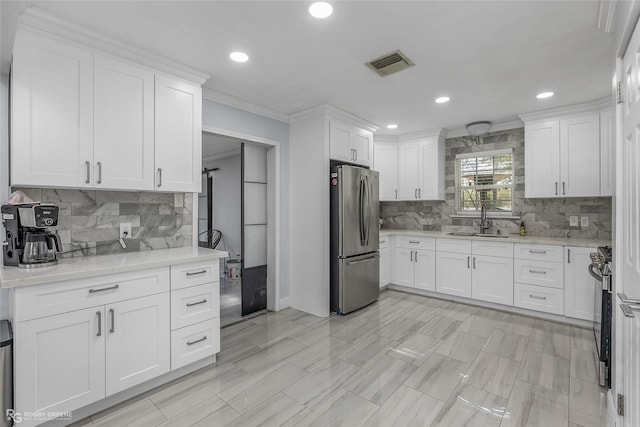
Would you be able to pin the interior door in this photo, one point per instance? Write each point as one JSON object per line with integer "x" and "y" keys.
{"x": 627, "y": 249}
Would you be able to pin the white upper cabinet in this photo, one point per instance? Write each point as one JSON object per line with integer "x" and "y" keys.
{"x": 178, "y": 130}
{"x": 350, "y": 143}
{"x": 51, "y": 113}
{"x": 385, "y": 161}
{"x": 421, "y": 169}
{"x": 82, "y": 118}
{"x": 563, "y": 157}
{"x": 123, "y": 124}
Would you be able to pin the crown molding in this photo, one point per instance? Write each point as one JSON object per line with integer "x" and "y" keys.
{"x": 585, "y": 107}
{"x": 514, "y": 124}
{"x": 606, "y": 15}
{"x": 241, "y": 104}
{"x": 36, "y": 20}
{"x": 326, "y": 109}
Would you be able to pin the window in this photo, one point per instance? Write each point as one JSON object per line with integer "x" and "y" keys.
{"x": 484, "y": 178}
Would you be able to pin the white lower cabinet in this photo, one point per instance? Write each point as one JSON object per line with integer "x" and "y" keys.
{"x": 492, "y": 279}
{"x": 453, "y": 273}
{"x": 195, "y": 342}
{"x": 384, "y": 267}
{"x": 538, "y": 298}
{"x": 414, "y": 267}
{"x": 579, "y": 286}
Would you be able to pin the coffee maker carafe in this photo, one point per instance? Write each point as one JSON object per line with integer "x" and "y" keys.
{"x": 28, "y": 242}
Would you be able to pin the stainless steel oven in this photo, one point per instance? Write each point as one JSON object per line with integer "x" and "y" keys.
{"x": 600, "y": 268}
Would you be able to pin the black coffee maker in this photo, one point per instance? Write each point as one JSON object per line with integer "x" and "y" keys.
{"x": 28, "y": 243}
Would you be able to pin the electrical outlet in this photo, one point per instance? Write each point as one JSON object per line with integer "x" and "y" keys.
{"x": 573, "y": 221}
{"x": 125, "y": 227}
{"x": 584, "y": 221}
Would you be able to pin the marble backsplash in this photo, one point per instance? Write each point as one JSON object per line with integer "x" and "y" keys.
{"x": 542, "y": 217}
{"x": 89, "y": 222}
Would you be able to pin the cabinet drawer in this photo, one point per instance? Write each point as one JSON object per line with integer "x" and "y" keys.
{"x": 194, "y": 304}
{"x": 539, "y": 252}
{"x": 453, "y": 245}
{"x": 538, "y": 298}
{"x": 195, "y": 342}
{"x": 384, "y": 242}
{"x": 33, "y": 302}
{"x": 502, "y": 250}
{"x": 539, "y": 273}
{"x": 197, "y": 273}
{"x": 410, "y": 242}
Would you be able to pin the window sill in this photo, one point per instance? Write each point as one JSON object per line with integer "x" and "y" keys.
{"x": 489, "y": 216}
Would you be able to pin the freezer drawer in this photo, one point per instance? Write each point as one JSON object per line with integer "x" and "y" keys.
{"x": 359, "y": 282}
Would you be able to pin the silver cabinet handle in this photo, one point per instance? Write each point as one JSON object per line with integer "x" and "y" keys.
{"x": 356, "y": 151}
{"x": 99, "y": 165}
{"x": 568, "y": 256}
{"x": 415, "y": 193}
{"x": 191, "y": 304}
{"x": 535, "y": 251}
{"x": 113, "y": 320}
{"x": 537, "y": 272}
{"x": 537, "y": 297}
{"x": 159, "y": 177}
{"x": 629, "y": 309}
{"x": 88, "y": 165}
{"x": 563, "y": 193}
{"x": 411, "y": 256}
{"x": 419, "y": 193}
{"x": 416, "y": 256}
{"x": 414, "y": 241}
{"x": 196, "y": 272}
{"x": 197, "y": 341}
{"x": 468, "y": 261}
{"x": 474, "y": 263}
{"x": 93, "y": 291}
{"x": 396, "y": 194}
{"x": 99, "y": 314}
{"x": 627, "y": 300}
{"x": 556, "y": 188}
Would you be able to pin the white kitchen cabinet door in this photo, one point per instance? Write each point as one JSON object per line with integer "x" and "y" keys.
{"x": 431, "y": 169}
{"x": 403, "y": 267}
{"x": 453, "y": 274}
{"x": 51, "y": 113}
{"x": 425, "y": 270}
{"x": 138, "y": 341}
{"x": 579, "y": 286}
{"x": 607, "y": 152}
{"x": 385, "y": 161}
{"x": 542, "y": 159}
{"x": 340, "y": 141}
{"x": 123, "y": 125}
{"x": 178, "y": 135}
{"x": 60, "y": 361}
{"x": 580, "y": 156}
{"x": 362, "y": 143}
{"x": 408, "y": 171}
{"x": 384, "y": 266}
{"x": 492, "y": 279}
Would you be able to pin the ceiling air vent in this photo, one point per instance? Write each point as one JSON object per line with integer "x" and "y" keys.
{"x": 390, "y": 63}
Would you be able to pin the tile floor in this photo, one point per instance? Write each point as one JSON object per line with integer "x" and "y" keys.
{"x": 406, "y": 360}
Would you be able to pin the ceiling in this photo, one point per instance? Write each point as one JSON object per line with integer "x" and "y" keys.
{"x": 214, "y": 145}
{"x": 490, "y": 57}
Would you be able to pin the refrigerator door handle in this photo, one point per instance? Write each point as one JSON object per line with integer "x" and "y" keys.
{"x": 361, "y": 215}
{"x": 361, "y": 260}
{"x": 368, "y": 206}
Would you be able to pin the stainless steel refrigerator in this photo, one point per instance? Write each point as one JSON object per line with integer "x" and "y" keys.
{"x": 354, "y": 238}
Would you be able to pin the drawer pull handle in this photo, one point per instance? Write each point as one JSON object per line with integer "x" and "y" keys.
{"x": 93, "y": 291}
{"x": 197, "y": 341}
{"x": 537, "y": 272}
{"x": 191, "y": 304}
{"x": 414, "y": 241}
{"x": 197, "y": 272}
{"x": 99, "y": 314}
{"x": 534, "y": 251}
{"x": 113, "y": 320}
{"x": 537, "y": 297}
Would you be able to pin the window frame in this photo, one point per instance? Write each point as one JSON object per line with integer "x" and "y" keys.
{"x": 476, "y": 154}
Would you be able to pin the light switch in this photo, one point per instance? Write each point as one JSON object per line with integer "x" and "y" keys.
{"x": 584, "y": 221}
{"x": 573, "y": 221}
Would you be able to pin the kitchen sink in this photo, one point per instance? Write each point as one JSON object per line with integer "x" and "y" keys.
{"x": 461, "y": 233}
{"x": 490, "y": 235}
{"x": 468, "y": 234}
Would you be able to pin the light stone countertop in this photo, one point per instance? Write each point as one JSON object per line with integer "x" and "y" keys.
{"x": 560, "y": 241}
{"x": 99, "y": 265}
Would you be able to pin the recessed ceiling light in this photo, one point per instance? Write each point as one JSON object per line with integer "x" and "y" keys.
{"x": 442, "y": 99}
{"x": 543, "y": 95}
{"x": 239, "y": 56}
{"x": 320, "y": 9}
{"x": 392, "y": 126}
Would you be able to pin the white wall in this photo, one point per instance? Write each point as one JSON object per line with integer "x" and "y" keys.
{"x": 221, "y": 116}
{"x": 227, "y": 202}
{"x": 4, "y": 172}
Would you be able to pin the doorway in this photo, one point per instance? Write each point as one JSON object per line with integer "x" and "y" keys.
{"x": 232, "y": 216}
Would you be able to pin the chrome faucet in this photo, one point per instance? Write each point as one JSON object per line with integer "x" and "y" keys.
{"x": 484, "y": 222}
